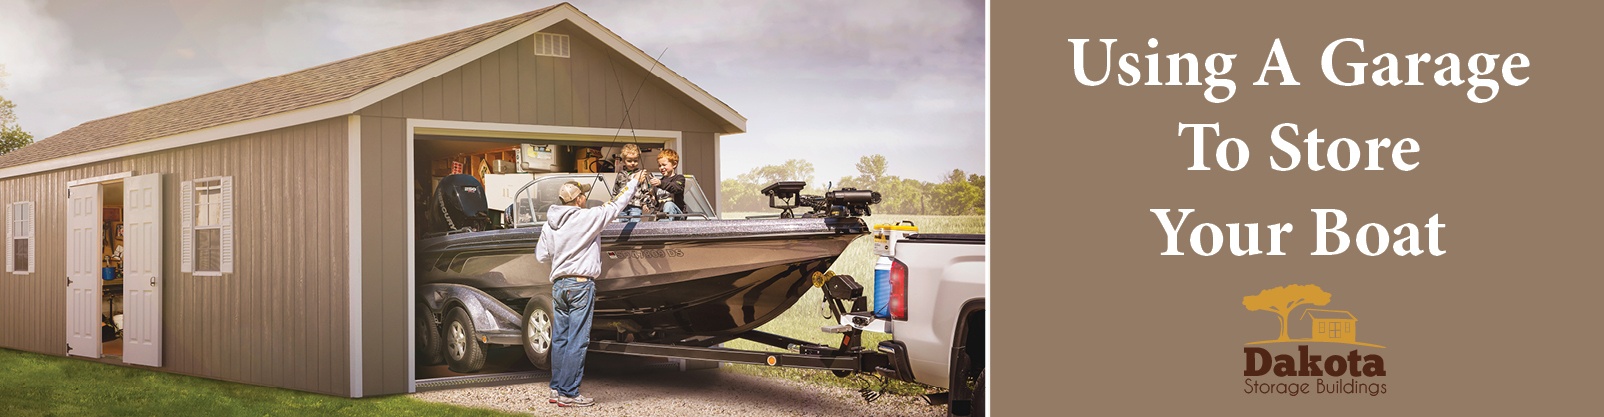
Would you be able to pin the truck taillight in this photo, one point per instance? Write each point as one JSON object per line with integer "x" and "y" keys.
{"x": 899, "y": 290}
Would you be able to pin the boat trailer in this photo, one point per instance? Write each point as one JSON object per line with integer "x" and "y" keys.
{"x": 889, "y": 358}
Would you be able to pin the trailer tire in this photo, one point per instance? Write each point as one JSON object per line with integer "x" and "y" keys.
{"x": 464, "y": 352}
{"x": 429, "y": 349}
{"x": 537, "y": 324}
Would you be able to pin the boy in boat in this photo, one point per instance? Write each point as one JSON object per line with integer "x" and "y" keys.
{"x": 644, "y": 202}
{"x": 571, "y": 242}
{"x": 670, "y": 188}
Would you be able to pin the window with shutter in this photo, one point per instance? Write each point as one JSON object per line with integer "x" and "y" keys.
{"x": 208, "y": 226}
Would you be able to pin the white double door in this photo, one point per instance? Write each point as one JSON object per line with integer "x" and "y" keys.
{"x": 142, "y": 270}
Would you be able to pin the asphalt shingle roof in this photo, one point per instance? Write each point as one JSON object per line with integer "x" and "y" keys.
{"x": 297, "y": 90}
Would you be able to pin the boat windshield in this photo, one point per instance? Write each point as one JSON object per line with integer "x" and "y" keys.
{"x": 531, "y": 201}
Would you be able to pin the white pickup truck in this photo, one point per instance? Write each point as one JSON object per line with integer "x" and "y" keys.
{"x": 935, "y": 312}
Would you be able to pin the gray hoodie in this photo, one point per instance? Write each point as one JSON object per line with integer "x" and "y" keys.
{"x": 572, "y": 236}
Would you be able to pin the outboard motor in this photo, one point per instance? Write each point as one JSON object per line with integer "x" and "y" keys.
{"x": 458, "y": 203}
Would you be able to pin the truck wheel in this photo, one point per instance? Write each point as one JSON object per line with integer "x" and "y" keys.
{"x": 537, "y": 332}
{"x": 464, "y": 352}
{"x": 978, "y": 404}
{"x": 428, "y": 337}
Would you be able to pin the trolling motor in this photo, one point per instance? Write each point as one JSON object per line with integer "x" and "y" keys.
{"x": 845, "y": 202}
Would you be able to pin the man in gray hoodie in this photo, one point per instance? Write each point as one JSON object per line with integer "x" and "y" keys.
{"x": 571, "y": 242}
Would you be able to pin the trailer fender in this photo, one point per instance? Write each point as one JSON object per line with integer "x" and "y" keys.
{"x": 491, "y": 318}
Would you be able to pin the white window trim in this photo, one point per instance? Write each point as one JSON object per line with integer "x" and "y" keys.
{"x": 15, "y": 229}
{"x": 224, "y": 225}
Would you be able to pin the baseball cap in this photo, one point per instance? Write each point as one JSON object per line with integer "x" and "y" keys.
{"x": 571, "y": 191}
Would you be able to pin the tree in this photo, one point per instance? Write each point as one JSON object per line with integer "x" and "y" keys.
{"x": 12, "y": 137}
{"x": 872, "y": 170}
{"x": 744, "y": 192}
{"x": 1281, "y": 301}
{"x": 955, "y": 195}
{"x": 980, "y": 185}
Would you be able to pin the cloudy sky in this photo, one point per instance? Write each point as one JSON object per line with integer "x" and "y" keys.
{"x": 824, "y": 81}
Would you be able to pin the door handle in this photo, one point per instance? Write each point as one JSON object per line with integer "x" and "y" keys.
{"x": 152, "y": 281}
{"x": 69, "y": 282}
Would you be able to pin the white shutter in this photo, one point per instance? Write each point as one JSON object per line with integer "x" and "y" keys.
{"x": 11, "y": 252}
{"x": 33, "y": 240}
{"x": 186, "y": 199}
{"x": 226, "y": 252}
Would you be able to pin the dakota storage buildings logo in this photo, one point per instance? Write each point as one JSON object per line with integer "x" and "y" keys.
{"x": 1280, "y": 371}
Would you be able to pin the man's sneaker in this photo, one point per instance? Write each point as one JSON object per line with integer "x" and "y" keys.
{"x": 553, "y": 398}
{"x": 575, "y": 401}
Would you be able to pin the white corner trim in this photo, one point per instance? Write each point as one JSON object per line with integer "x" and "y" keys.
{"x": 412, "y": 277}
{"x": 718, "y": 176}
{"x": 353, "y": 237}
{"x": 100, "y": 179}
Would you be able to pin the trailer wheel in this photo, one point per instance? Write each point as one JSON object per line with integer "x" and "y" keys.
{"x": 537, "y": 332}
{"x": 464, "y": 352}
{"x": 428, "y": 337}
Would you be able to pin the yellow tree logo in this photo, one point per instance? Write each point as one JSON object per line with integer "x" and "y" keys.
{"x": 1335, "y": 326}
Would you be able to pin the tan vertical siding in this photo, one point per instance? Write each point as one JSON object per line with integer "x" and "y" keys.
{"x": 527, "y": 82}
{"x": 385, "y": 306}
{"x": 279, "y": 319}
{"x": 512, "y": 85}
{"x": 697, "y": 158}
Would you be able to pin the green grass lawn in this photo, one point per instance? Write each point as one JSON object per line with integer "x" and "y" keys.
{"x": 804, "y": 319}
{"x": 32, "y": 384}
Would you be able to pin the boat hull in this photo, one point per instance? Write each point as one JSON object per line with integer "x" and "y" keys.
{"x": 689, "y": 282}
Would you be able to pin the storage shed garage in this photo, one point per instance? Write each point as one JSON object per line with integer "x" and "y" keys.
{"x": 263, "y": 233}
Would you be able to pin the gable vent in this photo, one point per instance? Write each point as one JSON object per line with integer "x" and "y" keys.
{"x": 551, "y": 44}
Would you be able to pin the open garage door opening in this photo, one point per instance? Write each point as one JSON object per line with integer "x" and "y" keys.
{"x": 472, "y": 321}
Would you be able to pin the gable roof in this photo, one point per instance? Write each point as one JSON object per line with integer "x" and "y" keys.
{"x": 1328, "y": 314}
{"x": 324, "y": 84}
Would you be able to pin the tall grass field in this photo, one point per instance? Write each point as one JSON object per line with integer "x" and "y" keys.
{"x": 804, "y": 320}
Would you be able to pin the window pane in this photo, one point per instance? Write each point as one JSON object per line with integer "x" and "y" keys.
{"x": 21, "y": 257}
{"x": 208, "y": 250}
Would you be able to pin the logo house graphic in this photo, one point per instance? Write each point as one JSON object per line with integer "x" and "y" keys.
{"x": 1329, "y": 326}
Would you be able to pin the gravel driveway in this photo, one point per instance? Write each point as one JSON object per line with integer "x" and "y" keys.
{"x": 655, "y": 391}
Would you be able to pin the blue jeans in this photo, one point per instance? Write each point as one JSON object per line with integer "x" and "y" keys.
{"x": 670, "y": 208}
{"x": 631, "y": 211}
{"x": 572, "y": 302}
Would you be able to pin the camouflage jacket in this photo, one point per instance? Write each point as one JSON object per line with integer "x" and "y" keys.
{"x": 644, "y": 197}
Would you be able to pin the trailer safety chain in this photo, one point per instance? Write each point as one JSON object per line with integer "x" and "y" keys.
{"x": 868, "y": 392}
